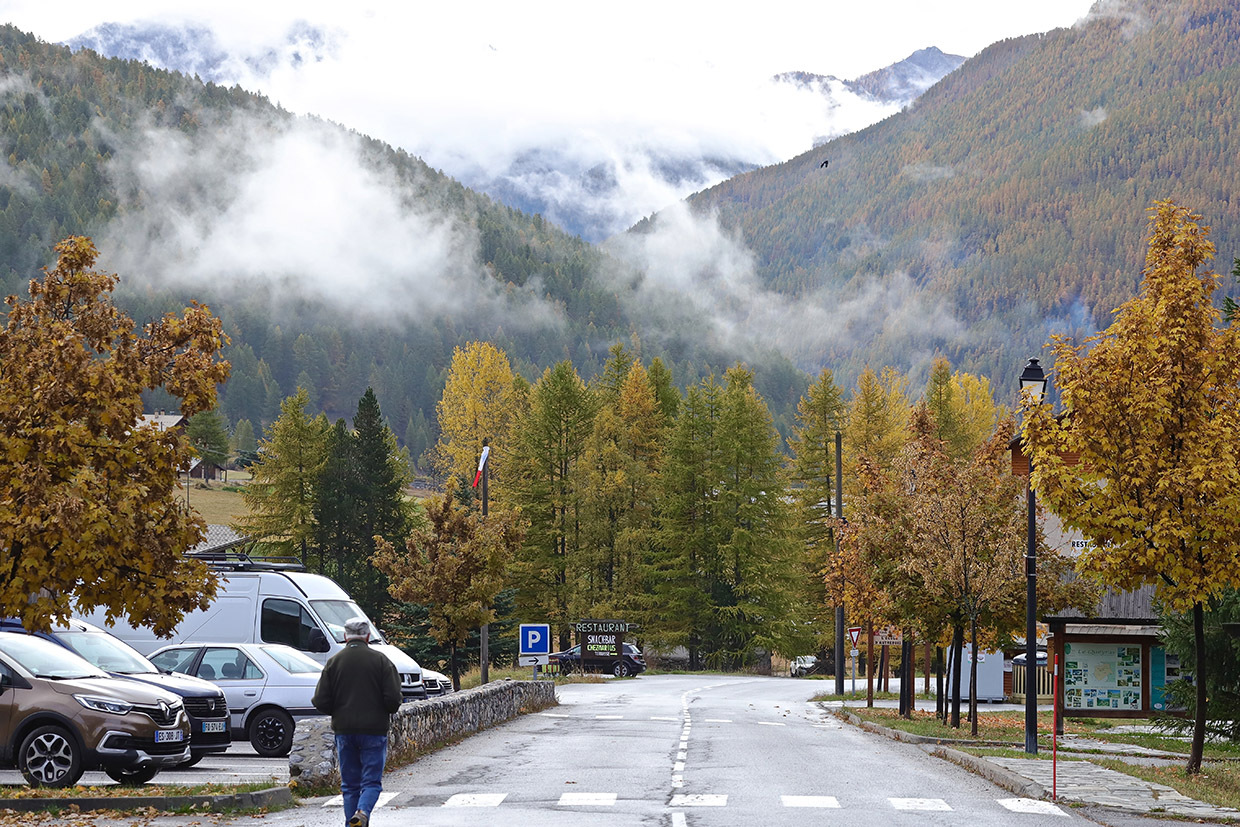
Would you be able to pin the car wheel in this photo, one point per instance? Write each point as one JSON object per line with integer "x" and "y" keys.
{"x": 49, "y": 757}
{"x": 131, "y": 777}
{"x": 271, "y": 733}
{"x": 193, "y": 761}
{"x": 620, "y": 669}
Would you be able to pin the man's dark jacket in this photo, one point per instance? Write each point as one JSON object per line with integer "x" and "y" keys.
{"x": 360, "y": 689}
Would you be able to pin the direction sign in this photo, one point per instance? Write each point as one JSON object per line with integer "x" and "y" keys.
{"x": 535, "y": 639}
{"x": 888, "y": 636}
{"x": 533, "y": 660}
{"x": 854, "y": 633}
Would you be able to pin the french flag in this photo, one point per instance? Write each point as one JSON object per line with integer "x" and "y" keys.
{"x": 482, "y": 463}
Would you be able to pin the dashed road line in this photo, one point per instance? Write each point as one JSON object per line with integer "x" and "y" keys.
{"x": 699, "y": 800}
{"x": 587, "y": 800}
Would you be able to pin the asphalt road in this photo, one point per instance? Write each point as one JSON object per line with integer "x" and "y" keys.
{"x": 685, "y": 750}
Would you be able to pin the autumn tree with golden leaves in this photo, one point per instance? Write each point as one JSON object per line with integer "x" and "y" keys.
{"x": 1152, "y": 407}
{"x": 90, "y": 514}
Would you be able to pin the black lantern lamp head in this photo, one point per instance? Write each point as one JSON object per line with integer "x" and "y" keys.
{"x": 1033, "y": 380}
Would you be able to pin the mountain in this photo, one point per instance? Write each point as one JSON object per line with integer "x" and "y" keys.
{"x": 900, "y": 83}
{"x": 1006, "y": 204}
{"x": 593, "y": 185}
{"x": 335, "y": 261}
{"x": 194, "y": 49}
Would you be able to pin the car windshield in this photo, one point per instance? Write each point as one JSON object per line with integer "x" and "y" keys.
{"x": 292, "y": 660}
{"x": 108, "y": 653}
{"x": 44, "y": 659}
{"x": 335, "y": 612}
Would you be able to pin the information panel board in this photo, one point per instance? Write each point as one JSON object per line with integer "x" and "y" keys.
{"x": 1102, "y": 676}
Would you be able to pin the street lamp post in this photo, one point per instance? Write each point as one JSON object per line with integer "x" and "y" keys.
{"x": 484, "y": 654}
{"x": 839, "y": 608}
{"x": 1032, "y": 380}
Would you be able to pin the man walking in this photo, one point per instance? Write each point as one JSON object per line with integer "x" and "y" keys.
{"x": 360, "y": 689}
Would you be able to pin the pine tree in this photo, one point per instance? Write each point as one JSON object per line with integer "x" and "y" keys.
{"x": 281, "y": 496}
{"x": 208, "y": 436}
{"x": 381, "y": 471}
{"x": 243, "y": 439}
{"x": 820, "y": 416}
{"x": 550, "y": 440}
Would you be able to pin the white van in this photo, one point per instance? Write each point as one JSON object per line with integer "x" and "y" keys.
{"x": 265, "y": 603}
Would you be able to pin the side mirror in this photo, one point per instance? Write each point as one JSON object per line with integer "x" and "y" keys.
{"x": 318, "y": 641}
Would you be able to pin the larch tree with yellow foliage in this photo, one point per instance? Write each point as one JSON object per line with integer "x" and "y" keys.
{"x": 1152, "y": 407}
{"x": 480, "y": 401}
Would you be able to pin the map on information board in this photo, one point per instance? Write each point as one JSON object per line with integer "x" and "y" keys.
{"x": 1102, "y": 676}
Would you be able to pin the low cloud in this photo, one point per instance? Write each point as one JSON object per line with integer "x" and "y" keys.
{"x": 1133, "y": 14}
{"x": 928, "y": 172}
{"x": 692, "y": 267}
{"x": 292, "y": 207}
{"x": 1092, "y": 117}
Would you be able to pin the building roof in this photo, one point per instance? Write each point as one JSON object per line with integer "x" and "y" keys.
{"x": 219, "y": 538}
{"x": 1123, "y": 608}
{"x": 163, "y": 421}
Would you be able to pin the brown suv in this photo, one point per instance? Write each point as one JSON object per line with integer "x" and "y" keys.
{"x": 61, "y": 716}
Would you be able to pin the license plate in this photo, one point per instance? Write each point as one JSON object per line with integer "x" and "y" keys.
{"x": 212, "y": 726}
{"x": 165, "y": 735}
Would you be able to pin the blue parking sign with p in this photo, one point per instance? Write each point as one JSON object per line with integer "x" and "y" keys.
{"x": 535, "y": 639}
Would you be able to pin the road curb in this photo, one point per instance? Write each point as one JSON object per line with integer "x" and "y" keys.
{"x": 994, "y": 773}
{"x": 939, "y": 747}
{"x": 202, "y": 803}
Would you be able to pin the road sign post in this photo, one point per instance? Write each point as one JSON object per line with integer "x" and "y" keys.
{"x": 535, "y": 645}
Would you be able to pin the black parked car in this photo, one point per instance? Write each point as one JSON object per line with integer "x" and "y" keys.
{"x": 632, "y": 663}
{"x": 205, "y": 705}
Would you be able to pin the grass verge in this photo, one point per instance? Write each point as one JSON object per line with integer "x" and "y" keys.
{"x": 139, "y": 791}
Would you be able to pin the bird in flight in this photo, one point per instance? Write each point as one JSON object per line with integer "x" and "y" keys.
{"x": 823, "y": 165}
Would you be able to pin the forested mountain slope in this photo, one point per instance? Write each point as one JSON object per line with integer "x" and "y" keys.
{"x": 1008, "y": 202}
{"x": 335, "y": 261}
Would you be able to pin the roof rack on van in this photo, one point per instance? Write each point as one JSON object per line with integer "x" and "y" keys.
{"x": 237, "y": 560}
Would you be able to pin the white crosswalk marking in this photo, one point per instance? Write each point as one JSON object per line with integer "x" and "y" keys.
{"x": 476, "y": 800}
{"x": 1032, "y": 806}
{"x": 771, "y": 723}
{"x": 338, "y": 801}
{"x": 718, "y": 720}
{"x": 698, "y": 800}
{"x": 919, "y": 804}
{"x": 663, "y": 718}
{"x": 810, "y": 801}
{"x": 587, "y": 799}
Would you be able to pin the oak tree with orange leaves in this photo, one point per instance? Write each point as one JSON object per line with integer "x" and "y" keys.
{"x": 90, "y": 514}
{"x": 1152, "y": 407}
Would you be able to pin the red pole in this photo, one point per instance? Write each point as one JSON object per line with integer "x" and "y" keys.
{"x": 1055, "y": 729}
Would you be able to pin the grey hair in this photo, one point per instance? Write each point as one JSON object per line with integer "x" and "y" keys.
{"x": 356, "y": 627}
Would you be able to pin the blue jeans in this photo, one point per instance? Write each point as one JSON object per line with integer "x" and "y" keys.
{"x": 361, "y": 759}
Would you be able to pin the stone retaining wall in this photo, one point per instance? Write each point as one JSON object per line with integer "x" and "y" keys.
{"x": 419, "y": 726}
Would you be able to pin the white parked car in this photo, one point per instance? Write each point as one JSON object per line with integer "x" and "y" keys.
{"x": 437, "y": 683}
{"x": 802, "y": 666}
{"x": 268, "y": 686}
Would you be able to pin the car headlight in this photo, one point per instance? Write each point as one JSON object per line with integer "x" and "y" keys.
{"x": 100, "y": 703}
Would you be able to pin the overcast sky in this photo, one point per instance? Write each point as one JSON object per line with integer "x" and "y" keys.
{"x": 470, "y": 78}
